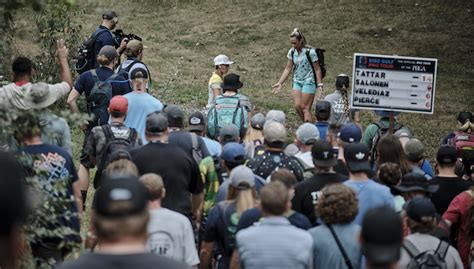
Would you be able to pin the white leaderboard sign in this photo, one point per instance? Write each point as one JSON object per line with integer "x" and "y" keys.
{"x": 393, "y": 83}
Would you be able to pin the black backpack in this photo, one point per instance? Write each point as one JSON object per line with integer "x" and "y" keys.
{"x": 381, "y": 131}
{"x": 86, "y": 54}
{"x": 427, "y": 259}
{"x": 113, "y": 145}
{"x": 124, "y": 71}
{"x": 99, "y": 99}
{"x": 320, "y": 53}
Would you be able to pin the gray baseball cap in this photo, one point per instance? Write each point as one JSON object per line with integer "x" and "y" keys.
{"x": 307, "y": 133}
{"x": 274, "y": 132}
{"x": 276, "y": 115}
{"x": 242, "y": 174}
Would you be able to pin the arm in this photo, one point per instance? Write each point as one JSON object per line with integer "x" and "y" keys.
{"x": 61, "y": 52}
{"x": 284, "y": 76}
{"x": 205, "y": 255}
{"x": 123, "y": 46}
{"x": 77, "y": 195}
{"x": 319, "y": 79}
{"x": 71, "y": 100}
{"x": 216, "y": 92}
{"x": 234, "y": 262}
{"x": 196, "y": 201}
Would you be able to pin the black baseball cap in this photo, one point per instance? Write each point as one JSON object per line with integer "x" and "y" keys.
{"x": 382, "y": 235}
{"x": 420, "y": 207}
{"x": 109, "y": 15}
{"x": 342, "y": 79}
{"x": 446, "y": 155}
{"x": 323, "y": 154}
{"x": 156, "y": 123}
{"x": 139, "y": 73}
{"x": 175, "y": 115}
{"x": 229, "y": 133}
{"x": 126, "y": 191}
{"x": 357, "y": 157}
{"x": 196, "y": 121}
{"x": 323, "y": 109}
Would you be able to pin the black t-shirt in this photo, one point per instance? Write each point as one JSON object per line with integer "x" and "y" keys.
{"x": 122, "y": 261}
{"x": 183, "y": 140}
{"x": 449, "y": 187}
{"x": 179, "y": 172}
{"x": 253, "y": 215}
{"x": 307, "y": 192}
{"x": 264, "y": 164}
{"x": 341, "y": 168}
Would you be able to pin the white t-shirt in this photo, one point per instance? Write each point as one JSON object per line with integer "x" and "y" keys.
{"x": 306, "y": 157}
{"x": 171, "y": 235}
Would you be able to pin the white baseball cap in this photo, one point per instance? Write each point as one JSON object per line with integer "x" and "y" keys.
{"x": 222, "y": 59}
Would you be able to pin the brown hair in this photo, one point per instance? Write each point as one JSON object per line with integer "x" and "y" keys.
{"x": 111, "y": 230}
{"x": 103, "y": 60}
{"x": 244, "y": 198}
{"x": 253, "y": 134}
{"x": 337, "y": 204}
{"x": 426, "y": 225}
{"x": 389, "y": 174}
{"x": 121, "y": 166}
{"x": 390, "y": 149}
{"x": 274, "y": 198}
{"x": 284, "y": 176}
{"x": 153, "y": 184}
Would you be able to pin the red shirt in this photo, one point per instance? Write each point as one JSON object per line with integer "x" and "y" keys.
{"x": 458, "y": 212}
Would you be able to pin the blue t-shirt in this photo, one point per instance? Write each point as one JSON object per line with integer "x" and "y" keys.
{"x": 323, "y": 129}
{"x": 103, "y": 39}
{"x": 214, "y": 148}
{"x": 85, "y": 82}
{"x": 370, "y": 195}
{"x": 254, "y": 215}
{"x": 302, "y": 71}
{"x": 140, "y": 104}
{"x": 51, "y": 164}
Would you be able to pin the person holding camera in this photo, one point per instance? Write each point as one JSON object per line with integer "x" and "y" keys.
{"x": 104, "y": 37}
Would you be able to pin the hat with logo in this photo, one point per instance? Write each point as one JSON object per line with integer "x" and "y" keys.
{"x": 233, "y": 152}
{"x": 414, "y": 182}
{"x": 222, "y": 59}
{"x": 275, "y": 115}
{"x": 420, "y": 207}
{"x": 446, "y": 155}
{"x": 323, "y": 154}
{"x": 156, "y": 123}
{"x": 323, "y": 109}
{"x": 175, "y": 115}
{"x": 229, "y": 133}
{"x": 257, "y": 121}
{"x": 307, "y": 133}
{"x": 357, "y": 157}
{"x": 196, "y": 121}
{"x": 109, "y": 15}
{"x": 119, "y": 104}
{"x": 242, "y": 174}
{"x": 108, "y": 51}
{"x": 125, "y": 191}
{"x": 274, "y": 132}
{"x": 382, "y": 235}
{"x": 414, "y": 150}
{"x": 232, "y": 82}
{"x": 40, "y": 96}
{"x": 139, "y": 73}
{"x": 350, "y": 133}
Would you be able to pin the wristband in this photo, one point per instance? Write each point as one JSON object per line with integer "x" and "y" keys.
{"x": 320, "y": 85}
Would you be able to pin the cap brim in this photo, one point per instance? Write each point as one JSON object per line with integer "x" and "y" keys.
{"x": 196, "y": 127}
{"x": 378, "y": 253}
{"x": 231, "y": 87}
{"x": 325, "y": 163}
{"x": 358, "y": 166}
{"x": 430, "y": 188}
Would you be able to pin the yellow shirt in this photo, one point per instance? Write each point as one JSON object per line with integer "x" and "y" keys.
{"x": 215, "y": 82}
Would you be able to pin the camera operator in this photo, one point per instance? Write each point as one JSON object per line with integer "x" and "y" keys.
{"x": 105, "y": 36}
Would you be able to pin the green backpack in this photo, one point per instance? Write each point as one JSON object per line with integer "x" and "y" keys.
{"x": 227, "y": 110}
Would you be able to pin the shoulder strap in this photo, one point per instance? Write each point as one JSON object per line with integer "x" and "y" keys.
{"x": 194, "y": 141}
{"x": 111, "y": 78}
{"x": 442, "y": 249}
{"x": 222, "y": 206}
{"x": 410, "y": 248}
{"x": 132, "y": 136}
{"x": 341, "y": 248}
{"x": 94, "y": 75}
{"x": 98, "y": 33}
{"x": 308, "y": 50}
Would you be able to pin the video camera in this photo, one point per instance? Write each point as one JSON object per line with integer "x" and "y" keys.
{"x": 120, "y": 35}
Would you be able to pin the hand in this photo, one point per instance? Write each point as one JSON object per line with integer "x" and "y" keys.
{"x": 124, "y": 42}
{"x": 61, "y": 50}
{"x": 276, "y": 88}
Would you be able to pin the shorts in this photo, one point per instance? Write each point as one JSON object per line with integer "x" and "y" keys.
{"x": 309, "y": 88}
{"x": 85, "y": 158}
